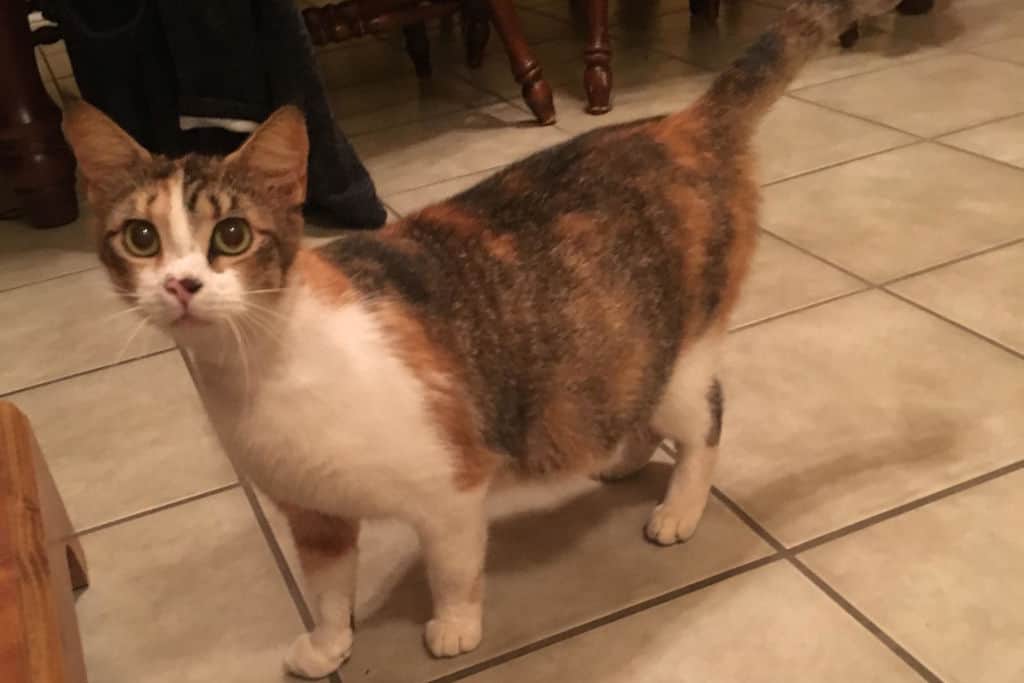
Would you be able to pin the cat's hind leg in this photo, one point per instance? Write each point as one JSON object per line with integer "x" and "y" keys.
{"x": 327, "y": 548}
{"x": 690, "y": 413}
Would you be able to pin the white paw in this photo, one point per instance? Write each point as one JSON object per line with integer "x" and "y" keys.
{"x": 668, "y": 526}
{"x": 451, "y": 637}
{"x": 311, "y": 657}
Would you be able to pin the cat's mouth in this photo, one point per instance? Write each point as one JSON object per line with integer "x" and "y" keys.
{"x": 187, "y": 320}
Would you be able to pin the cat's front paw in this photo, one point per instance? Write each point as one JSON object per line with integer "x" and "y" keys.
{"x": 315, "y": 657}
{"x": 452, "y": 636}
{"x": 668, "y": 526}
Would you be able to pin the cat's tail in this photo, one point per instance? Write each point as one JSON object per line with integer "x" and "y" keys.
{"x": 747, "y": 89}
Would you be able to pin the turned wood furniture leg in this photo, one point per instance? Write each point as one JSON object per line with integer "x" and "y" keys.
{"x": 417, "y": 45}
{"x": 476, "y": 30}
{"x": 706, "y": 9}
{"x": 525, "y": 68}
{"x": 39, "y": 638}
{"x": 32, "y": 148}
{"x": 597, "y": 57}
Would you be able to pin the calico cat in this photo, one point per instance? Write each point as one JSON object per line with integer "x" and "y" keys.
{"x": 561, "y": 317}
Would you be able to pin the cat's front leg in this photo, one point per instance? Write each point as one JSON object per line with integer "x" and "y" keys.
{"x": 327, "y": 548}
{"x": 454, "y": 542}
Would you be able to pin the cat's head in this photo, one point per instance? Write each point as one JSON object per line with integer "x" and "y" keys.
{"x": 196, "y": 242}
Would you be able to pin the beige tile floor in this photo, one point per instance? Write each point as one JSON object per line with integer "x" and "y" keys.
{"x": 866, "y": 520}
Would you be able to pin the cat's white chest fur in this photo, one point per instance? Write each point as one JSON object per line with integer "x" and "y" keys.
{"x": 330, "y": 418}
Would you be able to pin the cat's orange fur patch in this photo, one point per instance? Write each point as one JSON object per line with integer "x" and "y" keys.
{"x": 474, "y": 462}
{"x": 323, "y": 279}
{"x": 320, "y": 538}
{"x": 452, "y": 218}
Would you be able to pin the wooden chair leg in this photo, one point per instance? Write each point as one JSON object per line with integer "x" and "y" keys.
{"x": 705, "y": 9}
{"x": 476, "y": 30}
{"x": 597, "y": 57}
{"x": 417, "y": 45}
{"x": 527, "y": 72}
{"x": 32, "y": 149}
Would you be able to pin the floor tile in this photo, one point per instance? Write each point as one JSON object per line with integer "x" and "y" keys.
{"x": 985, "y": 293}
{"x": 901, "y": 211}
{"x": 164, "y": 450}
{"x": 384, "y": 104}
{"x": 710, "y": 47}
{"x": 427, "y": 152}
{"x": 68, "y": 325}
{"x": 648, "y": 85}
{"x": 797, "y": 137}
{"x": 1010, "y": 49}
{"x": 368, "y": 60}
{"x": 190, "y": 594}
{"x": 943, "y": 581}
{"x": 1002, "y": 140}
{"x": 29, "y": 255}
{"x": 854, "y": 407}
{"x": 558, "y": 557}
{"x": 561, "y": 62}
{"x": 782, "y": 278}
{"x": 765, "y": 626}
{"x": 917, "y": 97}
{"x": 408, "y": 202}
{"x": 964, "y": 23}
{"x": 878, "y": 47}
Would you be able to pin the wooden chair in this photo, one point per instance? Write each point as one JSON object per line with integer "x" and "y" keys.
{"x": 346, "y": 19}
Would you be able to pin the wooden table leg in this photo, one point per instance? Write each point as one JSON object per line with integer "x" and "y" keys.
{"x": 597, "y": 57}
{"x": 476, "y": 30}
{"x": 525, "y": 68}
{"x": 32, "y": 149}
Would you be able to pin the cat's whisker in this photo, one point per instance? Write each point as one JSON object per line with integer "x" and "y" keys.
{"x": 261, "y": 326}
{"x": 265, "y": 309}
{"x": 271, "y": 290}
{"x": 124, "y": 349}
{"x": 242, "y": 354}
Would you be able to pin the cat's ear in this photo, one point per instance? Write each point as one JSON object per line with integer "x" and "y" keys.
{"x": 103, "y": 150}
{"x": 277, "y": 152}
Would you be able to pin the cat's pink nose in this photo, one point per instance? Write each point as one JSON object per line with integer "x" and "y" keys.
{"x": 182, "y": 288}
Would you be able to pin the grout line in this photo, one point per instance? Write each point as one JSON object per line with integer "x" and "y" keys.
{"x": 822, "y": 259}
{"x": 998, "y": 344}
{"x": 796, "y": 96}
{"x": 843, "y": 162}
{"x": 907, "y": 507}
{"x": 998, "y": 119}
{"x": 617, "y": 615}
{"x": 155, "y": 509}
{"x": 954, "y": 261}
{"x": 938, "y": 141}
{"x": 916, "y": 45}
{"x": 799, "y": 309}
{"x": 282, "y": 564}
{"x": 48, "y": 279}
{"x": 874, "y": 629}
{"x": 789, "y": 555}
{"x": 83, "y": 373}
{"x": 492, "y": 169}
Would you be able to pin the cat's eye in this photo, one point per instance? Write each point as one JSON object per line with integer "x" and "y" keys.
{"x": 232, "y": 236}
{"x": 141, "y": 238}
